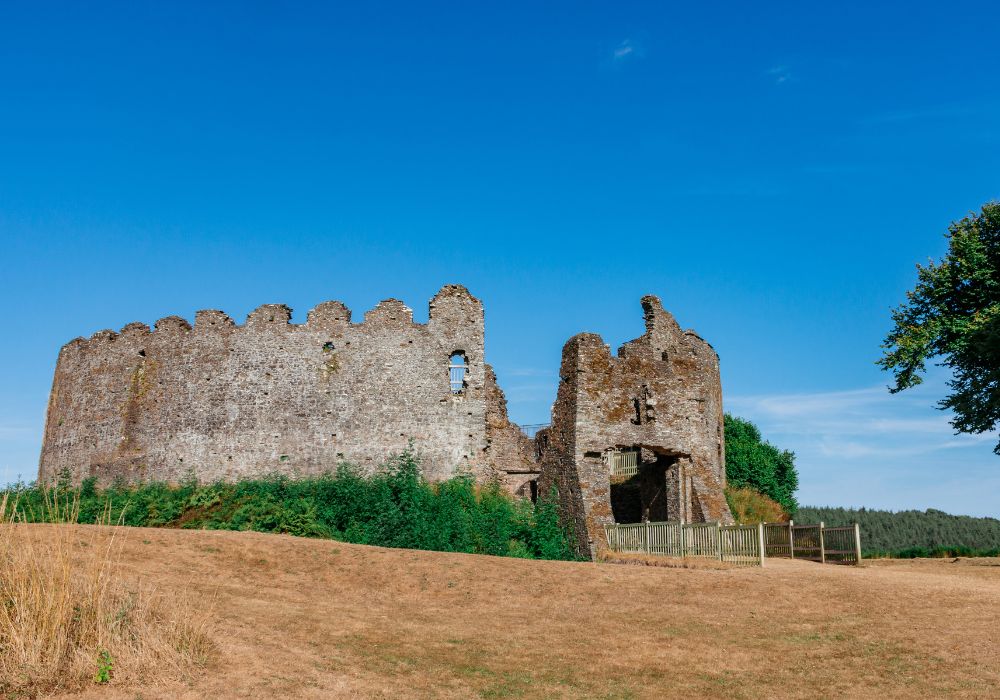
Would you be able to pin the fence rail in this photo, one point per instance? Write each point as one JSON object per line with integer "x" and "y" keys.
{"x": 744, "y": 545}
{"x": 841, "y": 545}
{"x": 739, "y": 544}
{"x": 835, "y": 545}
{"x": 807, "y": 542}
{"x": 778, "y": 540}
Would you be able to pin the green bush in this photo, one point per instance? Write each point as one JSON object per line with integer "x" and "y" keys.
{"x": 395, "y": 507}
{"x": 753, "y": 462}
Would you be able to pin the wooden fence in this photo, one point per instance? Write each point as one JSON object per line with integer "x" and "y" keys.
{"x": 841, "y": 545}
{"x": 777, "y": 540}
{"x": 745, "y": 545}
{"x": 739, "y": 544}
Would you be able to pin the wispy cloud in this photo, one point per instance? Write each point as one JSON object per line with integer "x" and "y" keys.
{"x": 779, "y": 74}
{"x": 869, "y": 447}
{"x": 886, "y": 423}
{"x": 625, "y": 49}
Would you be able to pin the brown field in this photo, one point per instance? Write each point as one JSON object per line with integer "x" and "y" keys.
{"x": 317, "y": 619}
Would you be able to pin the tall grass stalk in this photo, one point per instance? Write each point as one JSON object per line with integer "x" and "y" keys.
{"x": 66, "y": 606}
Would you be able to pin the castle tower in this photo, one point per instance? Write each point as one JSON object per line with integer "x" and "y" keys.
{"x": 637, "y": 437}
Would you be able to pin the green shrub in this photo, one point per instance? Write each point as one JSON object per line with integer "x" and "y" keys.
{"x": 753, "y": 462}
{"x": 549, "y": 538}
{"x": 395, "y": 507}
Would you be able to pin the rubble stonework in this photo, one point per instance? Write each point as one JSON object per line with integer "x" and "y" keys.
{"x": 220, "y": 401}
{"x": 661, "y": 397}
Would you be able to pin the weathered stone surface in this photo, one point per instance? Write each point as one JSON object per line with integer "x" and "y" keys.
{"x": 511, "y": 454}
{"x": 661, "y": 396}
{"x": 221, "y": 401}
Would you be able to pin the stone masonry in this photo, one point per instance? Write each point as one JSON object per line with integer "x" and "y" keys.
{"x": 660, "y": 397}
{"x": 220, "y": 401}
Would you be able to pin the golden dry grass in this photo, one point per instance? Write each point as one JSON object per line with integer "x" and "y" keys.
{"x": 751, "y": 506}
{"x": 321, "y": 619}
{"x": 637, "y": 559}
{"x": 66, "y": 609}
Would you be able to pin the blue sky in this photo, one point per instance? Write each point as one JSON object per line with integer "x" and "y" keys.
{"x": 772, "y": 172}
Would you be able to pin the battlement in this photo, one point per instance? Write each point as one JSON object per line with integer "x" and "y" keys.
{"x": 663, "y": 340}
{"x": 224, "y": 399}
{"x": 451, "y": 309}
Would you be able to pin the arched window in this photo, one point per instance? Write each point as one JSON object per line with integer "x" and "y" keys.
{"x": 458, "y": 370}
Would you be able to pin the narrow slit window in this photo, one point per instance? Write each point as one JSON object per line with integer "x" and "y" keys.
{"x": 458, "y": 370}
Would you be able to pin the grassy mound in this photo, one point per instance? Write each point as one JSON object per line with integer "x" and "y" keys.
{"x": 749, "y": 506}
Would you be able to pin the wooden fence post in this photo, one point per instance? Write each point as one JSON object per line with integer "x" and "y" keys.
{"x": 718, "y": 538}
{"x": 857, "y": 544}
{"x": 791, "y": 538}
{"x": 760, "y": 541}
{"x": 822, "y": 545}
{"x": 645, "y": 537}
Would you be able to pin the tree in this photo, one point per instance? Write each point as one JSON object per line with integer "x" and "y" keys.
{"x": 750, "y": 461}
{"x": 954, "y": 313}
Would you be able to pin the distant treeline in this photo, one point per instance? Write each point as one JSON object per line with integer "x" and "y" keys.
{"x": 913, "y": 533}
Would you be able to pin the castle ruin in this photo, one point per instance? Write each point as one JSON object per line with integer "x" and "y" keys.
{"x": 220, "y": 401}
{"x": 659, "y": 404}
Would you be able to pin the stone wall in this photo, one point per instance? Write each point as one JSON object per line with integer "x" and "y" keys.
{"x": 511, "y": 454}
{"x": 662, "y": 397}
{"x": 222, "y": 401}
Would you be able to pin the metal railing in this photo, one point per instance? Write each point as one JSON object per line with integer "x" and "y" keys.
{"x": 456, "y": 374}
{"x": 531, "y": 429}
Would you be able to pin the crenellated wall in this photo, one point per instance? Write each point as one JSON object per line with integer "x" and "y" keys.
{"x": 223, "y": 401}
{"x": 662, "y": 397}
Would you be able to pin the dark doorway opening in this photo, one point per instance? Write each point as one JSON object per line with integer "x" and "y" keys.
{"x": 529, "y": 489}
{"x": 649, "y": 496}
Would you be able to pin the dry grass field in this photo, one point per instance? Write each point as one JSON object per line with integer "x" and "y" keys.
{"x": 318, "y": 619}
